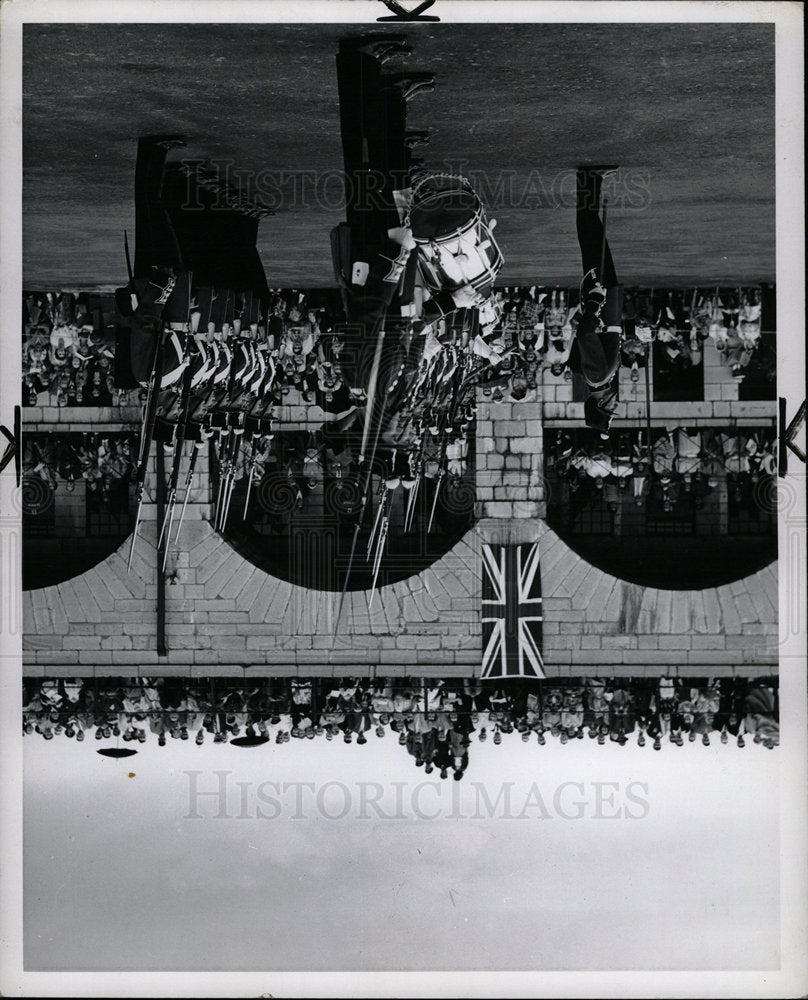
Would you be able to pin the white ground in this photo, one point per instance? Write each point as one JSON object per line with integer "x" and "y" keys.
{"x": 117, "y": 875}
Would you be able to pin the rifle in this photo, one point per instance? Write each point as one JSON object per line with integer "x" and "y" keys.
{"x": 385, "y": 523}
{"x": 179, "y": 432}
{"x": 188, "y": 479}
{"x": 366, "y": 434}
{"x": 147, "y": 429}
{"x": 179, "y": 439}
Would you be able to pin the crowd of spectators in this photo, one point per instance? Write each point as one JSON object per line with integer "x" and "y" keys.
{"x": 539, "y": 325}
{"x": 101, "y": 461}
{"x": 68, "y": 351}
{"x": 681, "y": 321}
{"x": 680, "y": 461}
{"x": 435, "y": 720}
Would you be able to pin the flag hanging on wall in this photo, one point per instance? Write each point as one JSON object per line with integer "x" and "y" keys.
{"x": 511, "y": 612}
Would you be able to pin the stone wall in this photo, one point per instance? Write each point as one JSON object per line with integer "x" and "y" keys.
{"x": 223, "y": 613}
{"x": 597, "y": 619}
{"x": 225, "y": 616}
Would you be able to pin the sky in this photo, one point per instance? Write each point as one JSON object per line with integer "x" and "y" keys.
{"x": 129, "y": 872}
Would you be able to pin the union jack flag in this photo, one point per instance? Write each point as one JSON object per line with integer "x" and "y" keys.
{"x": 511, "y": 612}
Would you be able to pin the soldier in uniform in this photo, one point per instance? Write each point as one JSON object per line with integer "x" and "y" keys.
{"x": 596, "y": 350}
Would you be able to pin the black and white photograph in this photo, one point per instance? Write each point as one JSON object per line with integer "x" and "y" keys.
{"x": 403, "y": 499}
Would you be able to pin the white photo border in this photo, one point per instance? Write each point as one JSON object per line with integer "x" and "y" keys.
{"x": 791, "y": 979}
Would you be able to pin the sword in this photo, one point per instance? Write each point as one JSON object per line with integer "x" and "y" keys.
{"x": 179, "y": 429}
{"x": 441, "y": 473}
{"x": 221, "y": 455}
{"x": 196, "y": 444}
{"x": 408, "y": 518}
{"x": 365, "y": 436}
{"x": 189, "y": 477}
{"x": 228, "y": 398}
{"x": 382, "y": 500}
{"x": 379, "y": 553}
{"x": 228, "y": 458}
{"x": 231, "y": 482}
{"x": 249, "y": 480}
{"x": 418, "y": 477}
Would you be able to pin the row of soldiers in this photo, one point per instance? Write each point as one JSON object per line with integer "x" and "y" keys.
{"x": 222, "y": 379}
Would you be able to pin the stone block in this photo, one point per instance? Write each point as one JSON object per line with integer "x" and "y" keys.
{"x": 678, "y": 641}
{"x": 764, "y": 409}
{"x": 706, "y": 642}
{"x": 82, "y": 642}
{"x": 228, "y": 617}
{"x": 525, "y": 410}
{"x": 498, "y": 509}
{"x": 125, "y": 657}
{"x": 564, "y": 640}
{"x": 655, "y": 656}
{"x": 208, "y": 605}
{"x": 706, "y": 657}
{"x": 225, "y": 641}
{"x": 116, "y": 642}
{"x": 408, "y": 641}
{"x": 680, "y": 411}
{"x": 619, "y": 642}
{"x": 205, "y": 656}
{"x": 510, "y": 428}
{"x": 525, "y": 445}
{"x": 560, "y": 655}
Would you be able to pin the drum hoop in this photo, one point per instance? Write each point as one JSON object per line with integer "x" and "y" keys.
{"x": 479, "y": 211}
{"x": 455, "y": 233}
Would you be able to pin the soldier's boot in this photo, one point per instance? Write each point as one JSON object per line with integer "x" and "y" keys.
{"x": 164, "y": 141}
{"x": 410, "y": 84}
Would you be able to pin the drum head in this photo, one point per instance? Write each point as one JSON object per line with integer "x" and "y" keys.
{"x": 442, "y": 207}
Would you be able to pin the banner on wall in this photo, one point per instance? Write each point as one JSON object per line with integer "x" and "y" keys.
{"x": 511, "y": 612}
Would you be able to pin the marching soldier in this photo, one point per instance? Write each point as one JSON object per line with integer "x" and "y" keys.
{"x": 596, "y": 351}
